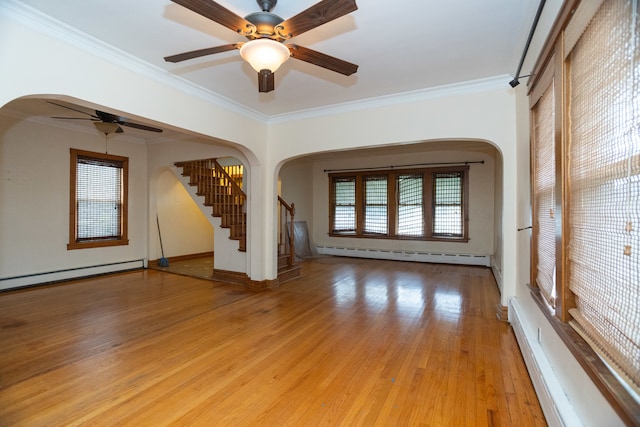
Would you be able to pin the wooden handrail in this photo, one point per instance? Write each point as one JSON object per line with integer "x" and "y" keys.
{"x": 224, "y": 173}
{"x": 290, "y": 213}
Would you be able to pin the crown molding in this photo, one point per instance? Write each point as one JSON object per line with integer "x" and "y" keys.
{"x": 461, "y": 88}
{"x": 56, "y": 29}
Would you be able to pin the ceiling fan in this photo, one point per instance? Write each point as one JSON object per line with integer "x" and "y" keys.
{"x": 265, "y": 51}
{"x": 106, "y": 123}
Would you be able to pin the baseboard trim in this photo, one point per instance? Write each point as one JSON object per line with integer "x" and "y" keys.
{"x": 50, "y": 277}
{"x": 177, "y": 258}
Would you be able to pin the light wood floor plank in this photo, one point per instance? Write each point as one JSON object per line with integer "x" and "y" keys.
{"x": 351, "y": 342}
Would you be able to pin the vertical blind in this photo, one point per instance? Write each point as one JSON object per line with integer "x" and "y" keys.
{"x": 410, "y": 205}
{"x": 604, "y": 185}
{"x": 544, "y": 193}
{"x": 447, "y": 197}
{"x": 99, "y": 199}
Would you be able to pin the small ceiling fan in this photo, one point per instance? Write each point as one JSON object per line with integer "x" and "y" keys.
{"x": 106, "y": 123}
{"x": 265, "y": 51}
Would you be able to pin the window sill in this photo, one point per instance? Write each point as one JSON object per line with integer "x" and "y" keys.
{"x": 620, "y": 400}
{"x": 382, "y": 237}
{"x": 97, "y": 244}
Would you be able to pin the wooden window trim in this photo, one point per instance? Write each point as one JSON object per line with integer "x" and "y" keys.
{"x": 123, "y": 240}
{"x": 392, "y": 204}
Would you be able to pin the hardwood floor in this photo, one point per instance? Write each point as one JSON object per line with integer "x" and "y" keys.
{"x": 351, "y": 342}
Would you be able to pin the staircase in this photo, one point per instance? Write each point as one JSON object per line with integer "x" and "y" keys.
{"x": 222, "y": 192}
{"x": 221, "y": 187}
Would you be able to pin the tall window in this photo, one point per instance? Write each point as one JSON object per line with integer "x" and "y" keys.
{"x": 544, "y": 184}
{"x": 410, "y": 205}
{"x": 595, "y": 216}
{"x": 426, "y": 204}
{"x": 447, "y": 196}
{"x": 344, "y": 205}
{"x": 98, "y": 200}
{"x": 375, "y": 208}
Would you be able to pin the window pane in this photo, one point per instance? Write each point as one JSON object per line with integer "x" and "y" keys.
{"x": 99, "y": 199}
{"x": 410, "y": 205}
{"x": 344, "y": 214}
{"x": 375, "y": 211}
{"x": 447, "y": 196}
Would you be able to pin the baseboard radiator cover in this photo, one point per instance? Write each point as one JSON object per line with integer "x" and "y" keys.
{"x": 556, "y": 406}
{"x": 33, "y": 279}
{"x": 439, "y": 258}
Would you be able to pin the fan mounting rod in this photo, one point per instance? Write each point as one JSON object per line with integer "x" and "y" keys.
{"x": 267, "y": 5}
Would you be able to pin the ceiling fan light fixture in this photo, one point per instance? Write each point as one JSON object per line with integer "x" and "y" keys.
{"x": 106, "y": 128}
{"x": 264, "y": 54}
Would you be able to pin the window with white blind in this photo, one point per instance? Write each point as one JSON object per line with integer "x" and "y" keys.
{"x": 594, "y": 152}
{"x": 344, "y": 205}
{"x": 448, "y": 219}
{"x": 427, "y": 204}
{"x": 375, "y": 205}
{"x": 410, "y": 205}
{"x": 98, "y": 208}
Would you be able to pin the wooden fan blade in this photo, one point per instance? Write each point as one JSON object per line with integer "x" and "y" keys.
{"x": 70, "y": 108}
{"x": 74, "y": 118}
{"x": 316, "y": 15}
{"x": 221, "y": 15}
{"x": 266, "y": 81}
{"x": 322, "y": 60}
{"x": 139, "y": 126}
{"x": 123, "y": 121}
{"x": 202, "y": 52}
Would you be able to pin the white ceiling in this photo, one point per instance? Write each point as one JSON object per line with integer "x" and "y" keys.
{"x": 400, "y": 46}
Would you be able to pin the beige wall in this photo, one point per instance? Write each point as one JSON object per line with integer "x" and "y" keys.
{"x": 185, "y": 228}
{"x": 34, "y": 195}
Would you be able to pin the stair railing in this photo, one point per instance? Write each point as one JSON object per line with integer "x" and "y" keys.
{"x": 231, "y": 199}
{"x": 286, "y": 245}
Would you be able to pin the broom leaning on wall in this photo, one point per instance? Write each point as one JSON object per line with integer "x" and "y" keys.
{"x": 162, "y": 262}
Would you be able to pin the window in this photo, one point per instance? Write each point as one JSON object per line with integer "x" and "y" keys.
{"x": 447, "y": 196}
{"x": 375, "y": 205}
{"x": 586, "y": 191}
{"x": 410, "y": 205}
{"x": 344, "y": 205}
{"x": 421, "y": 204}
{"x": 98, "y": 200}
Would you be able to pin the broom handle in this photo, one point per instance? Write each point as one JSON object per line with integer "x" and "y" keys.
{"x": 160, "y": 235}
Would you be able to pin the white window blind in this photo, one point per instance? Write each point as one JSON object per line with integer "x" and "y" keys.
{"x": 447, "y": 197}
{"x": 98, "y": 198}
{"x": 375, "y": 209}
{"x": 344, "y": 212}
{"x": 410, "y": 205}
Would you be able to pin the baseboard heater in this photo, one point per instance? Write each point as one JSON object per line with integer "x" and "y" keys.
{"x": 68, "y": 274}
{"x": 440, "y": 258}
{"x": 557, "y": 408}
